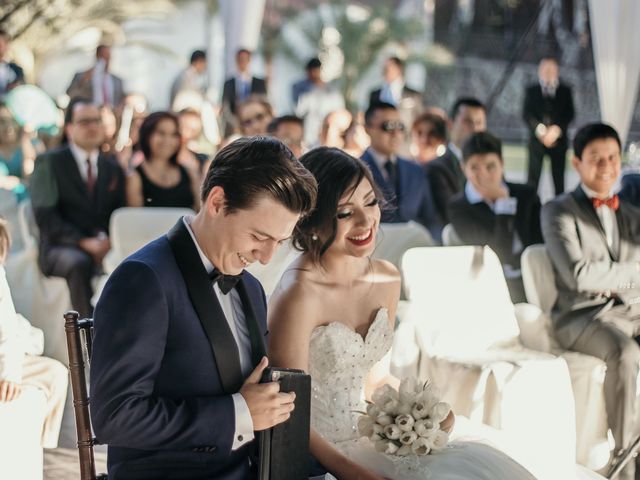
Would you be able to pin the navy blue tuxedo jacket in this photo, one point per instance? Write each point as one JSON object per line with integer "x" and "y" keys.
{"x": 412, "y": 200}
{"x": 158, "y": 396}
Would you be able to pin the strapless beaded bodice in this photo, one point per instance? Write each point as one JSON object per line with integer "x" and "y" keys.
{"x": 339, "y": 361}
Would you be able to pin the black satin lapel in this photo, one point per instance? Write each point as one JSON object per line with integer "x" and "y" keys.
{"x": 258, "y": 348}
{"x": 206, "y": 305}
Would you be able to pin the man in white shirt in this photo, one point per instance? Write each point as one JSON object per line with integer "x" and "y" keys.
{"x": 593, "y": 241}
{"x": 180, "y": 328}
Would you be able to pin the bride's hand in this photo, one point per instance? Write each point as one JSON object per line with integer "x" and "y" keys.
{"x": 447, "y": 424}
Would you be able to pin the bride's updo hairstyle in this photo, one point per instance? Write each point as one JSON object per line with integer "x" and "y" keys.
{"x": 337, "y": 174}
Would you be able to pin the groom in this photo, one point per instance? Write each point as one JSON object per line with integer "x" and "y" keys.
{"x": 178, "y": 348}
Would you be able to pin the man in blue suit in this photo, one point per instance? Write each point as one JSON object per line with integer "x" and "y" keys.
{"x": 180, "y": 327}
{"x": 406, "y": 191}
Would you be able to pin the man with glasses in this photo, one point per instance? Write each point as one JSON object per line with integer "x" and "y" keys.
{"x": 254, "y": 116}
{"x": 444, "y": 174}
{"x": 402, "y": 181}
{"x": 74, "y": 190}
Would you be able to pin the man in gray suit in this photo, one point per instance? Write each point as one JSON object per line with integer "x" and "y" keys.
{"x": 97, "y": 83}
{"x": 593, "y": 240}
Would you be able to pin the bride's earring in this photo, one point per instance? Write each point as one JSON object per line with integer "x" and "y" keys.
{"x": 314, "y": 237}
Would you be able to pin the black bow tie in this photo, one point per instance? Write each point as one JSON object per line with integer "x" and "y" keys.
{"x": 225, "y": 282}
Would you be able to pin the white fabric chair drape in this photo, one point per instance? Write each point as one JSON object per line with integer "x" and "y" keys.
{"x": 616, "y": 35}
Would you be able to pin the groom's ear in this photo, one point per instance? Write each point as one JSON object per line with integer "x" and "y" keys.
{"x": 216, "y": 201}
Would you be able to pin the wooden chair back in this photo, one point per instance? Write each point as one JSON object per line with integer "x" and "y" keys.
{"x": 79, "y": 338}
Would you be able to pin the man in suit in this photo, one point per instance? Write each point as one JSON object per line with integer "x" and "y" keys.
{"x": 180, "y": 327}
{"x": 548, "y": 111}
{"x": 191, "y": 83}
{"x": 444, "y": 174}
{"x": 11, "y": 74}
{"x": 241, "y": 86}
{"x": 402, "y": 181}
{"x": 97, "y": 83}
{"x": 74, "y": 190}
{"x": 593, "y": 240}
{"x": 490, "y": 211}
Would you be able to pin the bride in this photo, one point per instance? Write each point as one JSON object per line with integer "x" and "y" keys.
{"x": 332, "y": 315}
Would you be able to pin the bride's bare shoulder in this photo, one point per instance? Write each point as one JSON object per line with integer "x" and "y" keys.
{"x": 297, "y": 294}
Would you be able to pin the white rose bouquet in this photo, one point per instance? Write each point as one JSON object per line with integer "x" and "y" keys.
{"x": 407, "y": 421}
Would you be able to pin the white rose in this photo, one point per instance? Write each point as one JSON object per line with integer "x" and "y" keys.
{"x": 439, "y": 412}
{"x": 421, "y": 446}
{"x": 409, "y": 389}
{"x": 439, "y": 440}
{"x": 383, "y": 394}
{"x": 392, "y": 431}
{"x": 419, "y": 410}
{"x": 365, "y": 426}
{"x": 373, "y": 410}
{"x": 405, "y": 422}
{"x": 385, "y": 446}
{"x": 428, "y": 397}
{"x": 376, "y": 437}
{"x": 407, "y": 438}
{"x": 384, "y": 419}
{"x": 378, "y": 429}
{"x": 425, "y": 427}
{"x": 390, "y": 406}
{"x": 405, "y": 409}
{"x": 404, "y": 450}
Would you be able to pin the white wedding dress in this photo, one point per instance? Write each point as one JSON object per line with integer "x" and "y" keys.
{"x": 339, "y": 360}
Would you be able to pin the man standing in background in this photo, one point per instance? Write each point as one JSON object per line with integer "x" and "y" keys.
{"x": 548, "y": 111}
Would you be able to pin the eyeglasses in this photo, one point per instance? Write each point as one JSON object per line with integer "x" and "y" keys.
{"x": 247, "y": 122}
{"x": 390, "y": 126}
{"x": 85, "y": 122}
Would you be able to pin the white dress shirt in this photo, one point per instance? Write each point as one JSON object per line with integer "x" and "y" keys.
{"x": 233, "y": 311}
{"x": 607, "y": 219}
{"x": 101, "y": 80}
{"x": 81, "y": 159}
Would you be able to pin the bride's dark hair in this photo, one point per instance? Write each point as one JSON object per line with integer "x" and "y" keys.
{"x": 337, "y": 174}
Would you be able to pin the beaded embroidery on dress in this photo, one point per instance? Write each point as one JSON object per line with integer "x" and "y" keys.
{"x": 339, "y": 361}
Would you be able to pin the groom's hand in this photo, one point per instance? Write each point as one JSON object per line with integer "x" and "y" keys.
{"x": 267, "y": 405}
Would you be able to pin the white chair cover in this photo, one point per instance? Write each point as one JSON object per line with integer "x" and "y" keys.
{"x": 20, "y": 435}
{"x": 132, "y": 228}
{"x": 394, "y": 239}
{"x": 450, "y": 237}
{"x": 587, "y": 372}
{"x": 468, "y": 337}
{"x": 40, "y": 299}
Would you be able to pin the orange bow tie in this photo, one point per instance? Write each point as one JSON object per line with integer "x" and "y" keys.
{"x": 612, "y": 202}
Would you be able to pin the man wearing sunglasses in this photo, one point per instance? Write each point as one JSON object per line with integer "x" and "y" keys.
{"x": 402, "y": 181}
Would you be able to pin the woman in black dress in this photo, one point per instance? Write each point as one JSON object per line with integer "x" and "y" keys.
{"x": 160, "y": 181}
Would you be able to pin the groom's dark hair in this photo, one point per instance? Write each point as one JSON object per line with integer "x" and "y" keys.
{"x": 252, "y": 167}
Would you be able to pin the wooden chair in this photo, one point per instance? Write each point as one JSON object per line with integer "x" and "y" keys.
{"x": 79, "y": 337}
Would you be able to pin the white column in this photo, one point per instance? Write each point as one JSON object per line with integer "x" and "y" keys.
{"x": 615, "y": 38}
{"x": 242, "y": 21}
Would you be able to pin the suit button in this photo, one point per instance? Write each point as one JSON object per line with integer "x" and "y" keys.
{"x": 240, "y": 438}
{"x": 211, "y": 449}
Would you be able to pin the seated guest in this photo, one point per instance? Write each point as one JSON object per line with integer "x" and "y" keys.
{"x": 190, "y": 154}
{"x": 334, "y": 129}
{"x": 20, "y": 362}
{"x": 429, "y": 133}
{"x": 160, "y": 181}
{"x": 289, "y": 129}
{"x": 593, "y": 240}
{"x": 254, "y": 117}
{"x": 630, "y": 187}
{"x": 490, "y": 211}
{"x": 74, "y": 189}
{"x": 401, "y": 181}
{"x": 444, "y": 174}
{"x": 17, "y": 154}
